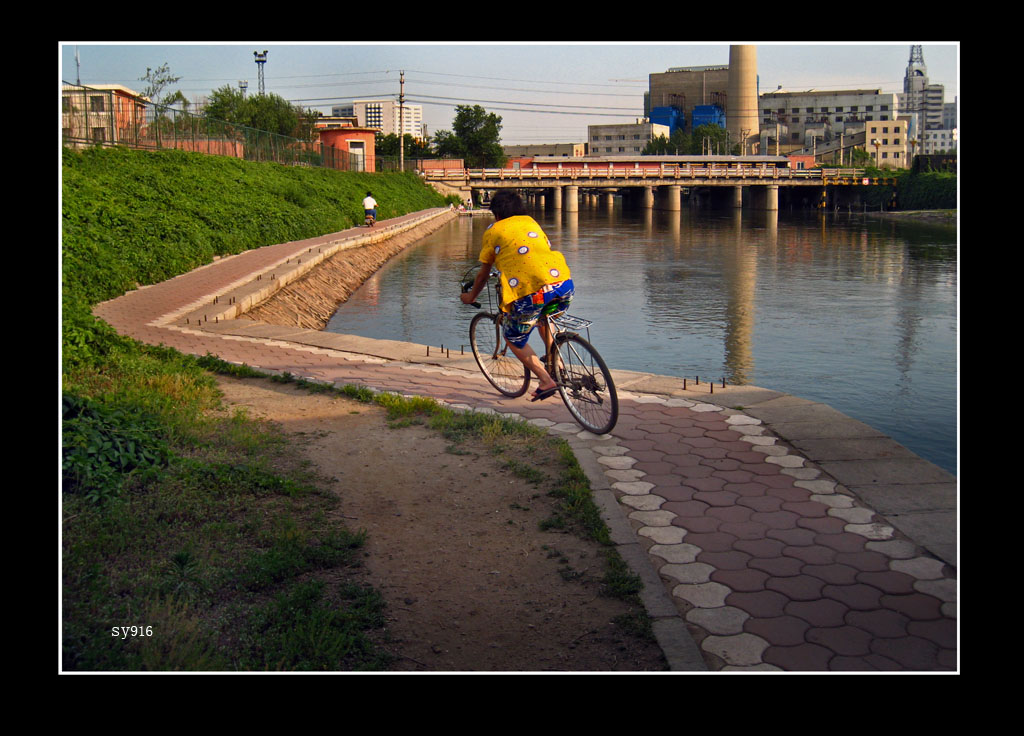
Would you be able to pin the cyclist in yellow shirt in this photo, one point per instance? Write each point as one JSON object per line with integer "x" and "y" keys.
{"x": 533, "y": 276}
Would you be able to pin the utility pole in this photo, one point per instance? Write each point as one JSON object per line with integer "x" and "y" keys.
{"x": 401, "y": 121}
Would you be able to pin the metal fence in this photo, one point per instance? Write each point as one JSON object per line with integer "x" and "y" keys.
{"x": 116, "y": 117}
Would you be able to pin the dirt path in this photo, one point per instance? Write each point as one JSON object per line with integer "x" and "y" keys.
{"x": 471, "y": 581}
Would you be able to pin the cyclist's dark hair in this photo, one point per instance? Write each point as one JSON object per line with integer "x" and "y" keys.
{"x": 507, "y": 203}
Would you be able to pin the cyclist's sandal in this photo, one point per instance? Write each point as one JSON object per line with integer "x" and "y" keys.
{"x": 539, "y": 395}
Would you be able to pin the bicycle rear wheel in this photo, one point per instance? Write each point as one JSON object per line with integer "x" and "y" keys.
{"x": 500, "y": 366}
{"x": 586, "y": 385}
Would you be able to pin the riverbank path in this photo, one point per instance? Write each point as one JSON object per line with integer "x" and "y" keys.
{"x": 779, "y": 536}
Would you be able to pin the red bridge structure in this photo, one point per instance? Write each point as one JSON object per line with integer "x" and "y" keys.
{"x": 658, "y": 182}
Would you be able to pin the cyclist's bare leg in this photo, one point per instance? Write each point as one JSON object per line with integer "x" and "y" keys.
{"x": 530, "y": 360}
{"x": 548, "y": 335}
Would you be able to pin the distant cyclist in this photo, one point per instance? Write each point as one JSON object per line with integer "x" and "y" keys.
{"x": 533, "y": 276}
{"x": 370, "y": 206}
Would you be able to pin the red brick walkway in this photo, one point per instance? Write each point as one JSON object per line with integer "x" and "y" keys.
{"x": 754, "y": 558}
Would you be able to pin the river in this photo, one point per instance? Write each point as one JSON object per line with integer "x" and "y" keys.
{"x": 856, "y": 312}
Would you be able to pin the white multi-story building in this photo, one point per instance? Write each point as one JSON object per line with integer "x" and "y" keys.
{"x": 816, "y": 119}
{"x": 627, "y": 138}
{"x": 942, "y": 140}
{"x": 387, "y": 116}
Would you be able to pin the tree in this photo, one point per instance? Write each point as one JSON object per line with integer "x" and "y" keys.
{"x": 387, "y": 146}
{"x": 156, "y": 80}
{"x": 267, "y": 112}
{"x": 711, "y": 139}
{"x": 678, "y": 144}
{"x": 475, "y": 137}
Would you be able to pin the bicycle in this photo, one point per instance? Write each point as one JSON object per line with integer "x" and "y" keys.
{"x": 584, "y": 381}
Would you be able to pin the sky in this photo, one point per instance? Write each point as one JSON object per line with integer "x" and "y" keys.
{"x": 544, "y": 92}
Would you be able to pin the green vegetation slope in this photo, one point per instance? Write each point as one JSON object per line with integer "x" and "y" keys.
{"x": 188, "y": 540}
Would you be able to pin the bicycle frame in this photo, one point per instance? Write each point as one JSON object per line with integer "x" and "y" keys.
{"x": 583, "y": 379}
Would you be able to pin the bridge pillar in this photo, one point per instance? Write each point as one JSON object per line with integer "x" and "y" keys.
{"x": 737, "y": 197}
{"x": 648, "y": 198}
{"x": 673, "y": 197}
{"x": 771, "y": 199}
{"x": 572, "y": 201}
{"x": 556, "y": 197}
{"x": 608, "y": 199}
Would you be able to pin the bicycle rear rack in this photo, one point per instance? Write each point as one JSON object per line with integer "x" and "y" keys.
{"x": 574, "y": 324}
{"x": 570, "y": 322}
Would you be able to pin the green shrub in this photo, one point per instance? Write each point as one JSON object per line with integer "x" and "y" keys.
{"x": 104, "y": 447}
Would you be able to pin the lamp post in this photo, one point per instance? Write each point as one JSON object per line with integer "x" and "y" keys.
{"x": 261, "y": 59}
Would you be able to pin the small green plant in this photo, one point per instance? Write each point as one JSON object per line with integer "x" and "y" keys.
{"x": 105, "y": 447}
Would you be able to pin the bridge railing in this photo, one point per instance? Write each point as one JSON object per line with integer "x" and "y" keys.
{"x": 688, "y": 172}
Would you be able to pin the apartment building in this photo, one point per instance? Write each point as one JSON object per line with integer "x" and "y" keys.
{"x": 807, "y": 120}
{"x": 387, "y": 116}
{"x": 623, "y": 138}
{"x": 546, "y": 149}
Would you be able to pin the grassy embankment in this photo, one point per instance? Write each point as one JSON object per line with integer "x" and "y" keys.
{"x": 192, "y": 540}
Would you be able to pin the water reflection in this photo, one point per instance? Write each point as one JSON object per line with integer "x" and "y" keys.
{"x": 851, "y": 311}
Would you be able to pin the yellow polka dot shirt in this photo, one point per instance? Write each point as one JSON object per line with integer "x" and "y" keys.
{"x": 518, "y": 248}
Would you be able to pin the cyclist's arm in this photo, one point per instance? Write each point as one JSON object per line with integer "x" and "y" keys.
{"x": 478, "y": 283}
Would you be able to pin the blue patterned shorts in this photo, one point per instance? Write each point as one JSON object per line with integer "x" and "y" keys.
{"x": 522, "y": 314}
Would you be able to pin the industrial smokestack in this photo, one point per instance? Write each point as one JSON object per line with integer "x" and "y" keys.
{"x": 741, "y": 116}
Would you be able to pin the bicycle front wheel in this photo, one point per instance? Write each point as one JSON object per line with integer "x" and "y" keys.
{"x": 500, "y": 366}
{"x": 586, "y": 385}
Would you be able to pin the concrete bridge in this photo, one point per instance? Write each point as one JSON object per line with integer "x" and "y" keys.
{"x": 660, "y": 186}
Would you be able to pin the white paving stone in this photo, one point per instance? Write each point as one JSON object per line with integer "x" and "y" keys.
{"x": 763, "y": 667}
{"x": 817, "y": 486}
{"x": 634, "y": 488}
{"x": 806, "y": 473}
{"x": 871, "y": 531}
{"x": 679, "y": 403}
{"x": 653, "y": 518}
{"x": 897, "y": 549}
{"x": 853, "y": 514}
{"x": 702, "y": 595}
{"x": 678, "y": 554}
{"x": 705, "y": 407}
{"x": 833, "y": 500}
{"x": 690, "y": 572}
{"x": 741, "y": 419}
{"x": 625, "y": 476}
{"x": 922, "y": 568}
{"x": 944, "y": 590}
{"x": 771, "y": 449}
{"x": 725, "y": 620}
{"x": 663, "y": 534}
{"x": 617, "y": 463}
{"x": 587, "y": 435}
{"x": 786, "y": 461}
{"x": 758, "y": 439}
{"x": 647, "y": 502}
{"x": 610, "y": 450}
{"x": 738, "y": 650}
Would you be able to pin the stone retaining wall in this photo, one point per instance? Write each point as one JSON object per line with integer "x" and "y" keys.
{"x": 310, "y": 301}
